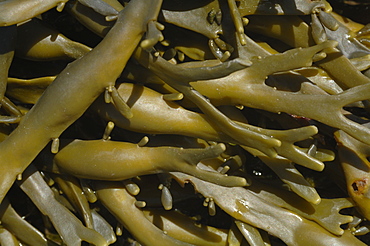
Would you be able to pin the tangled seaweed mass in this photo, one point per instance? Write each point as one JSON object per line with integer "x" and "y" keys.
{"x": 183, "y": 122}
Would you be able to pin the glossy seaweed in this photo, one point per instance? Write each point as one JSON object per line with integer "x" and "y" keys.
{"x": 158, "y": 132}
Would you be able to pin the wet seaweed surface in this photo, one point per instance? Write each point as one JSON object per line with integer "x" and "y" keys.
{"x": 184, "y": 122}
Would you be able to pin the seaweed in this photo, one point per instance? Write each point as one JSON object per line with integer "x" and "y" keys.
{"x": 184, "y": 122}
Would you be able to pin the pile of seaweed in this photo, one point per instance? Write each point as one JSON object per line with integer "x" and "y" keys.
{"x": 183, "y": 122}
